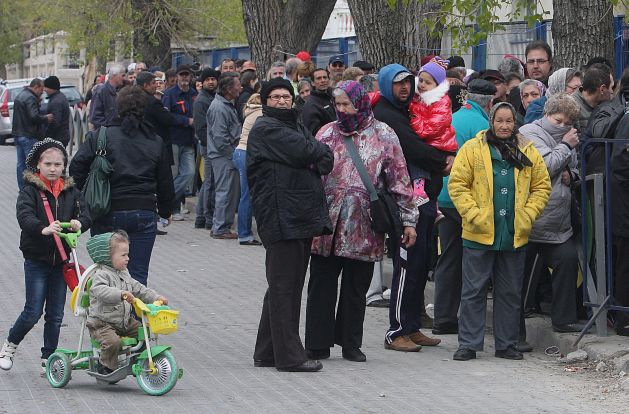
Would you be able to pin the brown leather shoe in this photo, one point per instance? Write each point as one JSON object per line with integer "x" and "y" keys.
{"x": 402, "y": 344}
{"x": 420, "y": 339}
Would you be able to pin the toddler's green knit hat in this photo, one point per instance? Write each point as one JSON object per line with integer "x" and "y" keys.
{"x": 98, "y": 249}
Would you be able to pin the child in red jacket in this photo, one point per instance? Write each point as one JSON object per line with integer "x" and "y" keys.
{"x": 431, "y": 112}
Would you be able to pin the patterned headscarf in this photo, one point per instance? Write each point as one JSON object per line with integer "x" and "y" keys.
{"x": 528, "y": 82}
{"x": 361, "y": 102}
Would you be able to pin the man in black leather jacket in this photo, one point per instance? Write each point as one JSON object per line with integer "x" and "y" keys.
{"x": 27, "y": 124}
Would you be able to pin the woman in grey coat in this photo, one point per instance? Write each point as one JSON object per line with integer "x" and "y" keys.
{"x": 551, "y": 237}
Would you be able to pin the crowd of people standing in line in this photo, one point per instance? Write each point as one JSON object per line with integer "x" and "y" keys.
{"x": 486, "y": 159}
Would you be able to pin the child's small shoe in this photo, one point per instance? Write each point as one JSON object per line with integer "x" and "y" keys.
{"x": 6, "y": 355}
{"x": 43, "y": 367}
{"x": 103, "y": 370}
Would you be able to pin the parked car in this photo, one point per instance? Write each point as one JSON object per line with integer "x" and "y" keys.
{"x": 10, "y": 89}
{"x": 8, "y": 92}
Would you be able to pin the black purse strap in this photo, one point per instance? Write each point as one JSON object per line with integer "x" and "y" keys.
{"x": 101, "y": 143}
{"x": 360, "y": 166}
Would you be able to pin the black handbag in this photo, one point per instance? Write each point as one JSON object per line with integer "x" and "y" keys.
{"x": 576, "y": 212}
{"x": 384, "y": 212}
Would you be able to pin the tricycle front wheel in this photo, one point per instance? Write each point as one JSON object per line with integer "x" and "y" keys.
{"x": 165, "y": 378}
{"x": 58, "y": 370}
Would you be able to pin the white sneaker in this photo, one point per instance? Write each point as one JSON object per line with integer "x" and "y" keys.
{"x": 178, "y": 217}
{"x": 6, "y": 355}
{"x": 185, "y": 211}
{"x": 43, "y": 367}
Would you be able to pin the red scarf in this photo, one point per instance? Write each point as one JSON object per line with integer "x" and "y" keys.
{"x": 55, "y": 187}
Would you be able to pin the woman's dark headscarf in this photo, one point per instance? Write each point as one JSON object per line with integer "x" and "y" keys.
{"x": 508, "y": 147}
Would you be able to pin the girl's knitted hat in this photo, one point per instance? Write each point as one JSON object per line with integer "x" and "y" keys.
{"x": 436, "y": 68}
{"x": 32, "y": 159}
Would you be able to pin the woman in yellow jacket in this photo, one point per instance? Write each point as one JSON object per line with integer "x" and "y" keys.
{"x": 500, "y": 185}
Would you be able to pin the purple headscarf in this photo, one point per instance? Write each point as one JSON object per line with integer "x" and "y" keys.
{"x": 360, "y": 99}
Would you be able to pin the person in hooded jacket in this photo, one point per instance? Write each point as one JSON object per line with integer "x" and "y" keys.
{"x": 354, "y": 246}
{"x": 284, "y": 168}
{"x": 407, "y": 311}
{"x": 551, "y": 235}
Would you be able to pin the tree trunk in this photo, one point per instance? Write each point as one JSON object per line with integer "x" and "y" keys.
{"x": 581, "y": 30}
{"x": 152, "y": 48}
{"x": 276, "y": 26}
{"x": 395, "y": 34}
{"x": 152, "y": 35}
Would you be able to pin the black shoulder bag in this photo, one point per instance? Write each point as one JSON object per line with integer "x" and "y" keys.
{"x": 385, "y": 215}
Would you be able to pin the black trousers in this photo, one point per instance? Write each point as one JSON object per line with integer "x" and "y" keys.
{"x": 564, "y": 262}
{"x": 409, "y": 278}
{"x": 278, "y": 334}
{"x": 448, "y": 272}
{"x": 323, "y": 329}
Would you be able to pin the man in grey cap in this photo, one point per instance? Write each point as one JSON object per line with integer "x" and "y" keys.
{"x": 397, "y": 86}
{"x": 467, "y": 122}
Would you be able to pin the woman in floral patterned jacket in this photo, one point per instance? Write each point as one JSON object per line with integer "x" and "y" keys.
{"x": 354, "y": 246}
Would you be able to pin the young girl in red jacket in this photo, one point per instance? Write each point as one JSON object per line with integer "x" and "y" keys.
{"x": 431, "y": 113}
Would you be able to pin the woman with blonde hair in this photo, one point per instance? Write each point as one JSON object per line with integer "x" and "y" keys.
{"x": 251, "y": 112}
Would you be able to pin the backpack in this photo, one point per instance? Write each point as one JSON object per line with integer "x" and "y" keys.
{"x": 97, "y": 190}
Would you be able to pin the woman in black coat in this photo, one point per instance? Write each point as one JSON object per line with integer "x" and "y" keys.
{"x": 284, "y": 168}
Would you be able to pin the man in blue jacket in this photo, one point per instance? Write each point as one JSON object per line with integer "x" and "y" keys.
{"x": 397, "y": 87}
{"x": 467, "y": 122}
{"x": 179, "y": 101}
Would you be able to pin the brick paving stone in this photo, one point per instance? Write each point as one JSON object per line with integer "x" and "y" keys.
{"x": 218, "y": 287}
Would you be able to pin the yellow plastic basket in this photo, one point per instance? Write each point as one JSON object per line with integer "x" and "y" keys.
{"x": 164, "y": 322}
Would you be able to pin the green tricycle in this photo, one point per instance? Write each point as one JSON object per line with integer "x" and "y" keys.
{"x": 153, "y": 365}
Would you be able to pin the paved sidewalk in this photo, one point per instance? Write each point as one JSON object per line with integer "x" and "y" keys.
{"x": 218, "y": 286}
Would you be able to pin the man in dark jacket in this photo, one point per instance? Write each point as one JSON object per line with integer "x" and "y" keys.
{"x": 155, "y": 115}
{"x": 178, "y": 100}
{"x": 58, "y": 106}
{"x": 397, "y": 86}
{"x": 103, "y": 109}
{"x": 27, "y": 124}
{"x": 602, "y": 123}
{"x": 319, "y": 109}
{"x": 284, "y": 168}
{"x": 248, "y": 80}
{"x": 205, "y": 205}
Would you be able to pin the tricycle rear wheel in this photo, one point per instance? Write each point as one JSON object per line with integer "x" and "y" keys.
{"x": 164, "y": 380}
{"x": 58, "y": 370}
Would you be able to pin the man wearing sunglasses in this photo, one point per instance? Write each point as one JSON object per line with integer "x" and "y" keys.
{"x": 336, "y": 67}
